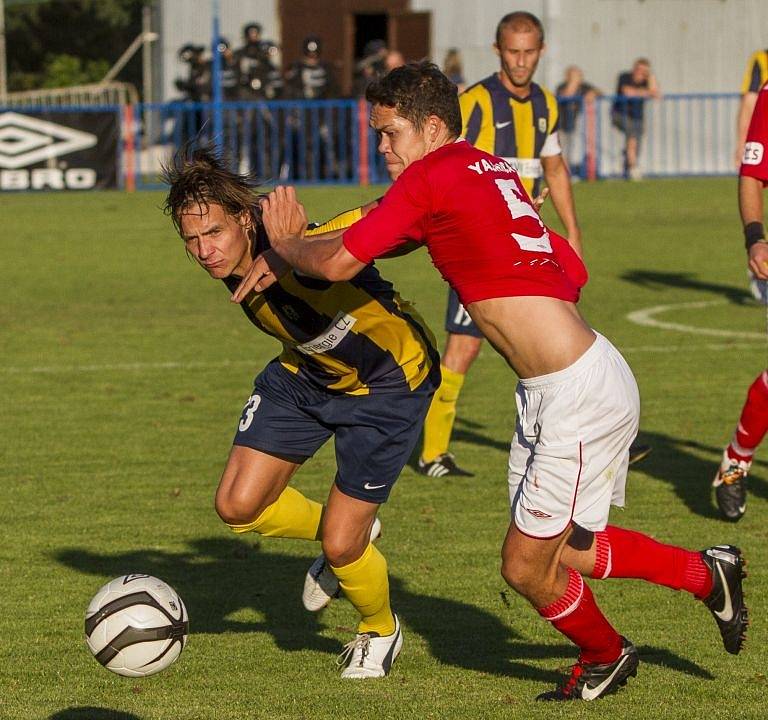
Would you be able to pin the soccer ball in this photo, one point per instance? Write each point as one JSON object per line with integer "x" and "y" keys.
{"x": 136, "y": 625}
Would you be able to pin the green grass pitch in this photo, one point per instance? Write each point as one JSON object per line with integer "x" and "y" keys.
{"x": 122, "y": 374}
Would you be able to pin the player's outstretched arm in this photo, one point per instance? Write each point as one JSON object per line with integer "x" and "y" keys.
{"x": 559, "y": 181}
{"x": 751, "y": 210}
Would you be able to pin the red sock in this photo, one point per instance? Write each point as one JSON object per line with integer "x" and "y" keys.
{"x": 628, "y": 554}
{"x": 753, "y": 423}
{"x": 577, "y": 616}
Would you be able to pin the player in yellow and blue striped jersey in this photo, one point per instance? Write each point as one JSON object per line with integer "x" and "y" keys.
{"x": 357, "y": 363}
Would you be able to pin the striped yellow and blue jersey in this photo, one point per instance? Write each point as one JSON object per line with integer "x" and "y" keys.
{"x": 355, "y": 337}
{"x": 756, "y": 74}
{"x": 516, "y": 129}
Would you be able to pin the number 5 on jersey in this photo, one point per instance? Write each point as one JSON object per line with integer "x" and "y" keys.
{"x": 519, "y": 208}
{"x": 248, "y": 411}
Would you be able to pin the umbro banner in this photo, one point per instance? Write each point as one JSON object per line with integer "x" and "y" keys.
{"x": 59, "y": 150}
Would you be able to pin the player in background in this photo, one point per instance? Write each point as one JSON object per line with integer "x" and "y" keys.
{"x": 730, "y": 481}
{"x": 755, "y": 76}
{"x": 510, "y": 116}
{"x": 357, "y": 363}
{"x": 633, "y": 88}
{"x": 577, "y": 400}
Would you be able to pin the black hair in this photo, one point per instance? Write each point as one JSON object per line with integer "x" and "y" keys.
{"x": 416, "y": 91}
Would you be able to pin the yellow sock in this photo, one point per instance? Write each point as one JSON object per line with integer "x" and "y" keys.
{"x": 366, "y": 585}
{"x": 290, "y": 516}
{"x": 438, "y": 424}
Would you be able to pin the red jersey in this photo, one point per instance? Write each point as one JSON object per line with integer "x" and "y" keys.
{"x": 481, "y": 229}
{"x": 755, "y": 161}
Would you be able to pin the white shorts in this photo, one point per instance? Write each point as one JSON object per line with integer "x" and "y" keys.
{"x": 568, "y": 460}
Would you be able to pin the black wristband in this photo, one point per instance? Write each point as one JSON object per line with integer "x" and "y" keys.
{"x": 753, "y": 233}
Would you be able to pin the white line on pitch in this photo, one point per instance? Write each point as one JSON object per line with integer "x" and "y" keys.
{"x": 177, "y": 365}
{"x": 170, "y": 365}
{"x": 754, "y": 345}
{"x": 647, "y": 318}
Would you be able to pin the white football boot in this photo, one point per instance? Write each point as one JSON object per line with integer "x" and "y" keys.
{"x": 371, "y": 655}
{"x": 320, "y": 584}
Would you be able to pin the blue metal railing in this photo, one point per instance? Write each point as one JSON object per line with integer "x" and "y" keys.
{"x": 329, "y": 142}
{"x": 299, "y": 142}
{"x": 679, "y": 135}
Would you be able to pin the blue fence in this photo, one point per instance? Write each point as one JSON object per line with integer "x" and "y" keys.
{"x": 679, "y": 135}
{"x": 297, "y": 142}
{"x": 329, "y": 142}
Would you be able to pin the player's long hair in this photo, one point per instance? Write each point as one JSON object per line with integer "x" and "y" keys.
{"x": 198, "y": 177}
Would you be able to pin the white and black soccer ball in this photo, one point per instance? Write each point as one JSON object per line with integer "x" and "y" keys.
{"x": 136, "y": 625}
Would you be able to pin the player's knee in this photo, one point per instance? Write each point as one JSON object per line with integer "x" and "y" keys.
{"x": 460, "y": 352}
{"x": 523, "y": 577}
{"x": 237, "y": 508}
{"x": 342, "y": 550}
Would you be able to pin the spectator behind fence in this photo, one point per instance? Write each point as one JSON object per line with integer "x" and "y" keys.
{"x": 258, "y": 74}
{"x": 229, "y": 72}
{"x": 370, "y": 67}
{"x": 755, "y": 76}
{"x": 193, "y": 86}
{"x": 309, "y": 145}
{"x": 633, "y": 89}
{"x": 572, "y": 93}
{"x": 311, "y": 78}
{"x": 454, "y": 69}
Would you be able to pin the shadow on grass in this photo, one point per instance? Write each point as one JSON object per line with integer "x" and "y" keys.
{"x": 464, "y": 636}
{"x": 92, "y": 713}
{"x": 470, "y": 432}
{"x": 221, "y": 576}
{"x": 654, "y": 279}
{"x": 677, "y": 462}
{"x": 218, "y": 578}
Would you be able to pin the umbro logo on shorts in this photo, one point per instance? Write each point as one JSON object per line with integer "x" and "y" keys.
{"x": 538, "y": 513}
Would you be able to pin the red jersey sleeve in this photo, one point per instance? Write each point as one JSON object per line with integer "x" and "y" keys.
{"x": 399, "y": 218}
{"x": 755, "y": 161}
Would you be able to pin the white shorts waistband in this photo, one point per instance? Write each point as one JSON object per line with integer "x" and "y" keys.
{"x": 589, "y": 358}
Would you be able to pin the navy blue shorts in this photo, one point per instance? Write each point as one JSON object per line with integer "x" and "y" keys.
{"x": 290, "y": 418}
{"x": 457, "y": 320}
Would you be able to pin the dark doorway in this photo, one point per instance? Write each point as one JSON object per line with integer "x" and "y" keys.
{"x": 369, "y": 26}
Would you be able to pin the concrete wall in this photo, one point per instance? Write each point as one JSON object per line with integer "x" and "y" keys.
{"x": 694, "y": 45}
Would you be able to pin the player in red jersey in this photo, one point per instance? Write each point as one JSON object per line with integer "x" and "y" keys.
{"x": 729, "y": 483}
{"x": 577, "y": 400}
